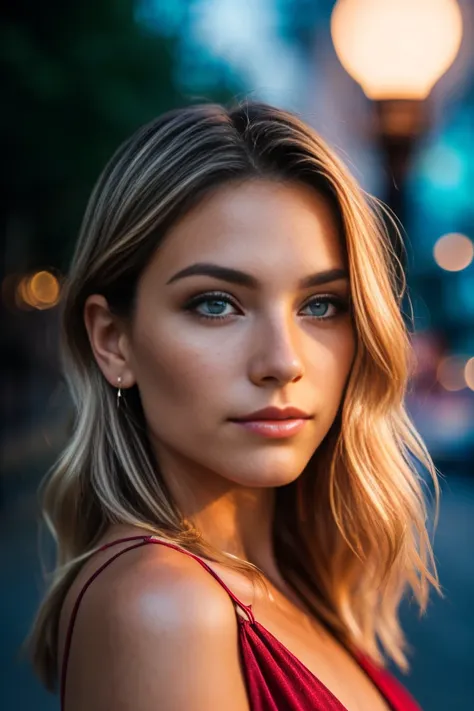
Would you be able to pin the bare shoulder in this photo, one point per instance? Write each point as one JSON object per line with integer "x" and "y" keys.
{"x": 155, "y": 629}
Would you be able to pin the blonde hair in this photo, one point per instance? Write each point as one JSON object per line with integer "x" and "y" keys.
{"x": 350, "y": 533}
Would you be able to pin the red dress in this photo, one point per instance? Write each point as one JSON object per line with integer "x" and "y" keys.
{"x": 275, "y": 679}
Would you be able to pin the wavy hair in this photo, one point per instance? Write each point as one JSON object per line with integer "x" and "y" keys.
{"x": 350, "y": 533}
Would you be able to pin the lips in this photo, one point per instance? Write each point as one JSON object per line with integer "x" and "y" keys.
{"x": 274, "y": 414}
{"x": 275, "y": 428}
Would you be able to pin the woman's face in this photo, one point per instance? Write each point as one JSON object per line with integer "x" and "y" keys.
{"x": 243, "y": 307}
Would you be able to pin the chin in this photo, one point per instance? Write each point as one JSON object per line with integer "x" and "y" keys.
{"x": 267, "y": 472}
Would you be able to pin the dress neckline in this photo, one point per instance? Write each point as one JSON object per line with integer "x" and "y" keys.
{"x": 254, "y": 622}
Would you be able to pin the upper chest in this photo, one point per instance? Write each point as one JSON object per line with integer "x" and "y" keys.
{"x": 324, "y": 657}
{"x": 310, "y": 643}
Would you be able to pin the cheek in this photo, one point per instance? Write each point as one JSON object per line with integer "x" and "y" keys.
{"x": 346, "y": 354}
{"x": 177, "y": 373}
{"x": 331, "y": 368}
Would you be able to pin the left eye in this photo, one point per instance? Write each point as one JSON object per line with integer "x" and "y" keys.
{"x": 319, "y": 308}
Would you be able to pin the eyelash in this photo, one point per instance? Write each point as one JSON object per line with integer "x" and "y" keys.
{"x": 340, "y": 303}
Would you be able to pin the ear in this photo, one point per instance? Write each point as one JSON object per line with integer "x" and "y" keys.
{"x": 109, "y": 341}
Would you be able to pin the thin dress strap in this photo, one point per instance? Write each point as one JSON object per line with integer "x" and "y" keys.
{"x": 143, "y": 541}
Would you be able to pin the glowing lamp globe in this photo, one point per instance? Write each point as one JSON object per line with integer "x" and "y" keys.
{"x": 396, "y": 49}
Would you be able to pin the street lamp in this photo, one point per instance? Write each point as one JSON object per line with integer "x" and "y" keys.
{"x": 397, "y": 50}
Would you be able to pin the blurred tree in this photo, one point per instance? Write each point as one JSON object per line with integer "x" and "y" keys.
{"x": 79, "y": 77}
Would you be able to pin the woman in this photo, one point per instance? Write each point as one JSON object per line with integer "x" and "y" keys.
{"x": 237, "y": 513}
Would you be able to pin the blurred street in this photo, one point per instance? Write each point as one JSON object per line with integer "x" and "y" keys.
{"x": 442, "y": 676}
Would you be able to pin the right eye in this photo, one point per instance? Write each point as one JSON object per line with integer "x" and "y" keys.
{"x": 211, "y": 306}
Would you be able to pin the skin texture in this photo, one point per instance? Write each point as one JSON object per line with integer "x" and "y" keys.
{"x": 154, "y": 632}
{"x": 195, "y": 374}
{"x": 155, "y": 613}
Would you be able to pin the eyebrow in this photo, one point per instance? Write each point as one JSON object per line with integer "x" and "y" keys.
{"x": 235, "y": 276}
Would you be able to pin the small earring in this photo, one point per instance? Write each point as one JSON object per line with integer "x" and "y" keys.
{"x": 119, "y": 391}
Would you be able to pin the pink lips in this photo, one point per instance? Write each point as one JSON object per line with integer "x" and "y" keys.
{"x": 273, "y": 429}
{"x": 274, "y": 423}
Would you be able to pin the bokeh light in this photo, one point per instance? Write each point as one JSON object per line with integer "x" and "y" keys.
{"x": 40, "y": 290}
{"x": 451, "y": 373}
{"x": 453, "y": 252}
{"x": 396, "y": 49}
{"x": 469, "y": 373}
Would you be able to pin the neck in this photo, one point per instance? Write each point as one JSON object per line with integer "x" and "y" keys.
{"x": 231, "y": 518}
{"x": 238, "y": 522}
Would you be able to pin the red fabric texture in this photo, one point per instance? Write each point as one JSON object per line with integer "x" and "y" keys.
{"x": 275, "y": 679}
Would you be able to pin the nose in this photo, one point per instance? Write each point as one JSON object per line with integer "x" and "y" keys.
{"x": 277, "y": 357}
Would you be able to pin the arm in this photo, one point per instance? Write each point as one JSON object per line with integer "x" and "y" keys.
{"x": 158, "y": 635}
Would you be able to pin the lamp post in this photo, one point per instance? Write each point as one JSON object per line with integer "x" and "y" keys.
{"x": 397, "y": 50}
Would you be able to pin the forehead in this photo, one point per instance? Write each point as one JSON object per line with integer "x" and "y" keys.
{"x": 263, "y": 227}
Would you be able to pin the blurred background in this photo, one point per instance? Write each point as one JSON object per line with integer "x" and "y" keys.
{"x": 389, "y": 83}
